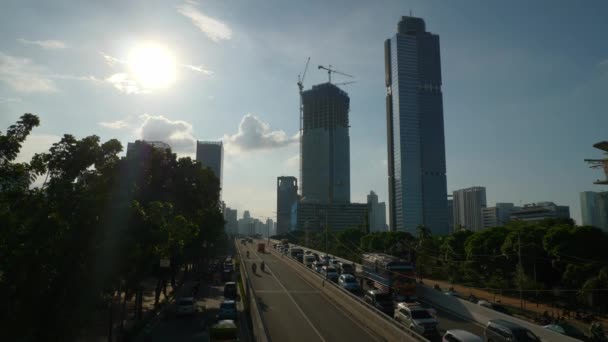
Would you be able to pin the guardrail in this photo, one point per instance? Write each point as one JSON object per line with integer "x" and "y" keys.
{"x": 476, "y": 313}
{"x": 366, "y": 314}
{"x": 260, "y": 332}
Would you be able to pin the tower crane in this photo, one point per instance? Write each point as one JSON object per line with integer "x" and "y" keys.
{"x": 345, "y": 83}
{"x": 330, "y": 70}
{"x": 301, "y": 88}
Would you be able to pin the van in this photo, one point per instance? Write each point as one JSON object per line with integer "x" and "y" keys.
{"x": 457, "y": 335}
{"x": 499, "y": 330}
{"x": 308, "y": 260}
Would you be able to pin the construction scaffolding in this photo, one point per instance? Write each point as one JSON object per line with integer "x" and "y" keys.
{"x": 600, "y": 163}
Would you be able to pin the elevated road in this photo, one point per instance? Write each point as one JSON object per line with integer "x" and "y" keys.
{"x": 294, "y": 310}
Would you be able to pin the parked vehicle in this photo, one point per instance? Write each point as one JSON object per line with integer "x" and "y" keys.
{"x": 227, "y": 310}
{"x": 380, "y": 300}
{"x": 416, "y": 318}
{"x": 329, "y": 272}
{"x": 186, "y": 306}
{"x": 345, "y": 268}
{"x": 457, "y": 335}
{"x": 308, "y": 260}
{"x": 230, "y": 290}
{"x": 499, "y": 330}
{"x": 387, "y": 272}
{"x": 349, "y": 282}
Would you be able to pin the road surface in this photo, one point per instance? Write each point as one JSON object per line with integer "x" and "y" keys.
{"x": 294, "y": 310}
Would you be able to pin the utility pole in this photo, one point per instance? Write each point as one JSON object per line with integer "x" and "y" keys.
{"x": 521, "y": 269}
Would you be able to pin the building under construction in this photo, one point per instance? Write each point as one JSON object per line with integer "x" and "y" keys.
{"x": 325, "y": 145}
{"x": 600, "y": 163}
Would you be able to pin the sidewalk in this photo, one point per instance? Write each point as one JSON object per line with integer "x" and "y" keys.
{"x": 536, "y": 308}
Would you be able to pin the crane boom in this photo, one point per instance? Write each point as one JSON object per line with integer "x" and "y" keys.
{"x": 330, "y": 70}
{"x": 301, "y": 87}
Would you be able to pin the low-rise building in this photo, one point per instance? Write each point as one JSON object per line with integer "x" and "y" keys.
{"x": 534, "y": 212}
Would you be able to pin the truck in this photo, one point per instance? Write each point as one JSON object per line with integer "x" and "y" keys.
{"x": 390, "y": 274}
{"x": 261, "y": 247}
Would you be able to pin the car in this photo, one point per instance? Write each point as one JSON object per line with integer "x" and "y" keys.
{"x": 307, "y": 252}
{"x": 380, "y": 300}
{"x": 230, "y": 290}
{"x": 186, "y": 306}
{"x": 227, "y": 310}
{"x": 348, "y": 282}
{"x": 499, "y": 330}
{"x": 458, "y": 335}
{"x": 318, "y": 265}
{"x": 329, "y": 272}
{"x": 316, "y": 255}
{"x": 345, "y": 268}
{"x": 416, "y": 318}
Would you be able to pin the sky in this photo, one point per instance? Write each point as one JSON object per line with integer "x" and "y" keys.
{"x": 524, "y": 85}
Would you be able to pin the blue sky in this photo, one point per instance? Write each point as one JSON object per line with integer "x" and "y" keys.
{"x": 524, "y": 85}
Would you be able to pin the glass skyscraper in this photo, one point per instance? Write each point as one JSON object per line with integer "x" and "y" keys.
{"x": 416, "y": 141}
{"x": 211, "y": 155}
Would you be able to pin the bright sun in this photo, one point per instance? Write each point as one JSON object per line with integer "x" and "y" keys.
{"x": 153, "y": 65}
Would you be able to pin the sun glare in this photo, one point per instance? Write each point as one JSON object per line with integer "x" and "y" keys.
{"x": 153, "y": 65}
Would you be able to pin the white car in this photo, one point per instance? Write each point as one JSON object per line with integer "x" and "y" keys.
{"x": 186, "y": 306}
{"x": 416, "y": 318}
{"x": 457, "y": 335}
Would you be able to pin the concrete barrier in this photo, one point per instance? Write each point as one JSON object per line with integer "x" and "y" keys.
{"x": 260, "y": 332}
{"x": 384, "y": 326}
{"x": 476, "y": 313}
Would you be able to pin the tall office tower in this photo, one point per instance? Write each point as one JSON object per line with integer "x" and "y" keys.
{"x": 325, "y": 145}
{"x": 415, "y": 135}
{"x": 594, "y": 209}
{"x": 467, "y": 205}
{"x": 450, "y": 214}
{"x": 211, "y": 155}
{"x": 287, "y": 196}
{"x": 376, "y": 213}
{"x": 137, "y": 147}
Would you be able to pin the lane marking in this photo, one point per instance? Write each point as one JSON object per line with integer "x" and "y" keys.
{"x": 294, "y": 302}
{"x": 363, "y": 327}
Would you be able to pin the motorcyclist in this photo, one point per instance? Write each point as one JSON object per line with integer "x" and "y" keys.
{"x": 254, "y": 267}
{"x": 262, "y": 265}
{"x": 248, "y": 254}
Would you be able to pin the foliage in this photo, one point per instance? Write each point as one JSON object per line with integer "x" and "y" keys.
{"x": 98, "y": 223}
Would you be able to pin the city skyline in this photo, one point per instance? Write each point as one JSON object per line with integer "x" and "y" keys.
{"x": 494, "y": 125}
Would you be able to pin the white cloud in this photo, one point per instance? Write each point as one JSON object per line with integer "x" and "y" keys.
{"x": 111, "y": 60}
{"x": 45, "y": 44}
{"x": 118, "y": 124}
{"x": 123, "y": 82}
{"x": 177, "y": 133}
{"x": 35, "y": 143}
{"x": 10, "y": 99}
{"x": 24, "y": 75}
{"x": 198, "y": 68}
{"x": 254, "y": 134}
{"x": 213, "y": 28}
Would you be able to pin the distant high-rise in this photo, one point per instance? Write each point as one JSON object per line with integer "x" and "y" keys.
{"x": 230, "y": 216}
{"x": 211, "y": 155}
{"x": 498, "y": 215}
{"x": 416, "y": 141}
{"x": 594, "y": 209}
{"x": 287, "y": 195}
{"x": 325, "y": 145}
{"x": 132, "y": 146}
{"x": 467, "y": 205}
{"x": 450, "y": 214}
{"x": 376, "y": 213}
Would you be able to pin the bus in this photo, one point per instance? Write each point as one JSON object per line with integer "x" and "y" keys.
{"x": 390, "y": 274}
